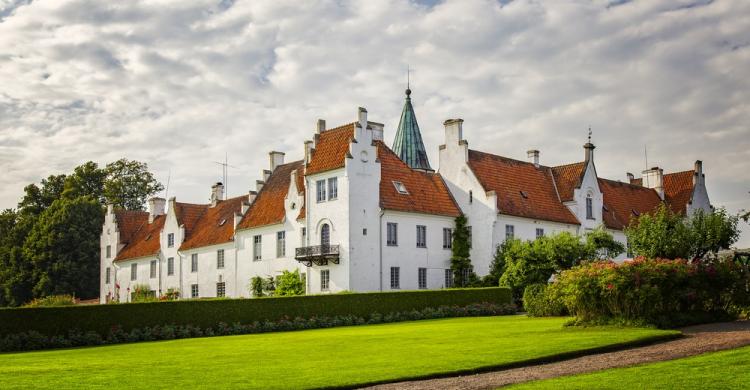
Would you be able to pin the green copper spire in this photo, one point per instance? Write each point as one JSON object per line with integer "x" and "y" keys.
{"x": 408, "y": 144}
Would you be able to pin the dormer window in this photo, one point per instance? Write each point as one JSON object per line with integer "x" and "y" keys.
{"x": 524, "y": 194}
{"x": 636, "y": 213}
{"x": 400, "y": 187}
{"x": 223, "y": 221}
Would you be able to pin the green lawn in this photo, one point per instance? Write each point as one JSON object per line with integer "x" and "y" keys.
{"x": 718, "y": 370}
{"x": 313, "y": 358}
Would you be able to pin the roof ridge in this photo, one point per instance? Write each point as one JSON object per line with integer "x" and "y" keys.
{"x": 568, "y": 165}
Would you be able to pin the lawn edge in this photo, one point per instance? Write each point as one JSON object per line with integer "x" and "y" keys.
{"x": 522, "y": 363}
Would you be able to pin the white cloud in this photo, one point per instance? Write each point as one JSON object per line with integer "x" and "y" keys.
{"x": 178, "y": 84}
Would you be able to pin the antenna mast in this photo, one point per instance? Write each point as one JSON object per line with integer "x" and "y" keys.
{"x": 225, "y": 173}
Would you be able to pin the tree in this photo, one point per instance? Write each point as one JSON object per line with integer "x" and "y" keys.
{"x": 668, "y": 235}
{"x": 63, "y": 248}
{"x": 36, "y": 199}
{"x": 289, "y": 284}
{"x": 602, "y": 245}
{"x": 463, "y": 273}
{"x": 87, "y": 180}
{"x": 15, "y": 271}
{"x": 497, "y": 266}
{"x": 129, "y": 184}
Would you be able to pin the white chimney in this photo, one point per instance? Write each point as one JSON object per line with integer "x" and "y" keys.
{"x": 308, "y": 151}
{"x": 698, "y": 175}
{"x": 217, "y": 193}
{"x": 454, "y": 131}
{"x": 533, "y": 156}
{"x": 276, "y": 159}
{"x": 654, "y": 178}
{"x": 362, "y": 116}
{"x": 155, "y": 208}
{"x": 321, "y": 126}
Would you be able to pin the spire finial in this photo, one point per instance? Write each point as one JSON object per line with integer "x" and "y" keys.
{"x": 408, "y": 79}
{"x": 589, "y": 133}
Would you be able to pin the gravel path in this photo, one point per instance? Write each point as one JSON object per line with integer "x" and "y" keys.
{"x": 698, "y": 339}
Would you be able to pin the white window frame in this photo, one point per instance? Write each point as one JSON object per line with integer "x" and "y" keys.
{"x": 281, "y": 244}
{"x": 134, "y": 271}
{"x": 194, "y": 262}
{"x": 220, "y": 259}
{"x": 589, "y": 207}
{"x": 109, "y": 251}
{"x": 333, "y": 188}
{"x": 107, "y": 275}
{"x": 539, "y": 232}
{"x": 325, "y": 280}
{"x": 194, "y": 291}
{"x": 510, "y": 232}
{"x": 395, "y": 278}
{"x": 170, "y": 266}
{"x": 391, "y": 234}
{"x": 422, "y": 278}
{"x": 221, "y": 289}
{"x": 421, "y": 236}
{"x": 448, "y": 278}
{"x": 447, "y": 238}
{"x": 152, "y": 269}
{"x": 320, "y": 190}
{"x": 257, "y": 247}
{"x": 170, "y": 240}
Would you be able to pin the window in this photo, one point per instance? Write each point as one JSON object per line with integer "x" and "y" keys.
{"x": 107, "y": 274}
{"x": 392, "y": 234}
{"x": 325, "y": 278}
{"x": 220, "y": 259}
{"x": 421, "y": 236}
{"x": 133, "y": 271}
{"x": 539, "y": 232}
{"x": 333, "y": 188}
{"x": 325, "y": 235}
{"x": 364, "y": 231}
{"x": 303, "y": 236}
{"x": 471, "y": 196}
{"x": 194, "y": 262}
{"x": 447, "y": 238}
{"x": 320, "y": 186}
{"x": 280, "y": 244}
{"x": 109, "y": 251}
{"x": 448, "y": 278}
{"x": 422, "y": 277}
{"x": 256, "y": 247}
{"x": 395, "y": 278}
{"x": 193, "y": 291}
{"x": 170, "y": 240}
{"x": 152, "y": 272}
{"x": 400, "y": 187}
{"x": 170, "y": 266}
{"x": 589, "y": 207}
{"x": 221, "y": 289}
{"x": 510, "y": 232}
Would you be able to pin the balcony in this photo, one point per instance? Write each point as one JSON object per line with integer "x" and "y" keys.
{"x": 318, "y": 255}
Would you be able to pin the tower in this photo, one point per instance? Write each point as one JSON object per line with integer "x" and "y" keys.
{"x": 408, "y": 143}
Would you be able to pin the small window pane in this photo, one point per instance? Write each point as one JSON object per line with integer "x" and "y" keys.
{"x": 509, "y": 232}
{"x": 448, "y": 278}
{"x": 392, "y": 234}
{"x": 170, "y": 240}
{"x": 221, "y": 289}
{"x": 193, "y": 291}
{"x": 333, "y": 188}
{"x": 152, "y": 272}
{"x": 447, "y": 238}
{"x": 107, "y": 276}
{"x": 421, "y": 236}
{"x": 539, "y": 232}
{"x": 395, "y": 278}
{"x": 170, "y": 266}
{"x": 220, "y": 259}
{"x": 325, "y": 277}
{"x": 256, "y": 247}
{"x": 280, "y": 244}
{"x": 320, "y": 186}
{"x": 422, "y": 276}
{"x": 109, "y": 251}
{"x": 133, "y": 271}
{"x": 194, "y": 262}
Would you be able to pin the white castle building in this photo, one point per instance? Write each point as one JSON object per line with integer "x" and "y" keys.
{"x": 356, "y": 215}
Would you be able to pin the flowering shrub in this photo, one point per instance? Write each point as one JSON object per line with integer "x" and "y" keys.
{"x": 659, "y": 292}
{"x": 33, "y": 340}
{"x": 52, "y": 300}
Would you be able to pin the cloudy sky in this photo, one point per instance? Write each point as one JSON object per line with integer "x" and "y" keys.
{"x": 180, "y": 84}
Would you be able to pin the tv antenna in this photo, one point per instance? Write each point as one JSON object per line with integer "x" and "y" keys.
{"x": 225, "y": 173}
{"x": 166, "y": 189}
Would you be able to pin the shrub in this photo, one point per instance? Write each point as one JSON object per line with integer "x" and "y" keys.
{"x": 208, "y": 313}
{"x": 52, "y": 300}
{"x": 540, "y": 300}
{"x": 290, "y": 284}
{"x": 32, "y": 340}
{"x": 664, "y": 293}
{"x": 142, "y": 293}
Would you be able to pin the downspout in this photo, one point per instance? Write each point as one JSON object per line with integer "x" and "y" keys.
{"x": 179, "y": 255}
{"x": 307, "y": 229}
{"x": 380, "y": 247}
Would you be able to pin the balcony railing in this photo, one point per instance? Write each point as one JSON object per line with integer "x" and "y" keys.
{"x": 318, "y": 254}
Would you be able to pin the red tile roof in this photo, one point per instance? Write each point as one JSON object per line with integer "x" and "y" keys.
{"x": 128, "y": 222}
{"x": 622, "y": 199}
{"x": 568, "y": 178}
{"x": 188, "y": 215}
{"x": 268, "y": 208}
{"x": 145, "y": 240}
{"x": 300, "y": 181}
{"x": 330, "y": 149}
{"x": 216, "y": 224}
{"x": 427, "y": 193}
{"x": 678, "y": 190}
{"x": 511, "y": 179}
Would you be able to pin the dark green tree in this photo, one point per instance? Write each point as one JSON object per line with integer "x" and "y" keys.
{"x": 37, "y": 198}
{"x": 86, "y": 180}
{"x": 129, "y": 184}
{"x": 712, "y": 232}
{"x": 289, "y": 284}
{"x": 63, "y": 248}
{"x": 463, "y": 272}
{"x": 601, "y": 245}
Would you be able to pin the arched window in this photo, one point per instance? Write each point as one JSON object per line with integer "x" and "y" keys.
{"x": 325, "y": 235}
{"x": 589, "y": 207}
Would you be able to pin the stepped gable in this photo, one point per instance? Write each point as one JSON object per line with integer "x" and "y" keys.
{"x": 128, "y": 222}
{"x": 426, "y": 191}
{"x": 624, "y": 201}
{"x": 215, "y": 225}
{"x": 522, "y": 189}
{"x": 268, "y": 207}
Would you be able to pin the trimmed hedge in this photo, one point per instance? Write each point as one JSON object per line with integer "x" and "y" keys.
{"x": 101, "y": 319}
